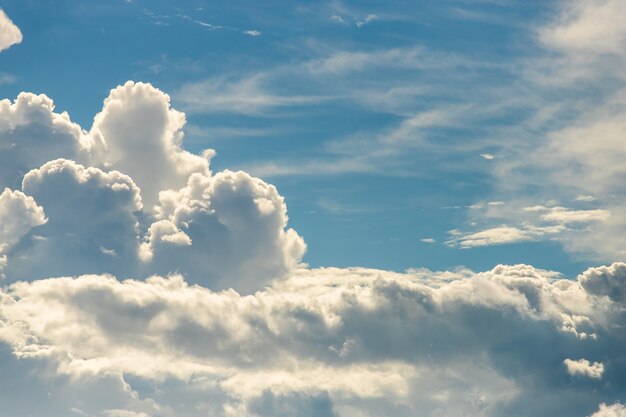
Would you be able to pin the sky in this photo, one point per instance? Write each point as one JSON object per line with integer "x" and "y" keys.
{"x": 318, "y": 209}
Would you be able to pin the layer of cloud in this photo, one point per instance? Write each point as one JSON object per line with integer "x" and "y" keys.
{"x": 584, "y": 367}
{"x": 326, "y": 342}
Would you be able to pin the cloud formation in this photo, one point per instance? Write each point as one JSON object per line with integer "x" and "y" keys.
{"x": 140, "y": 283}
{"x": 10, "y": 34}
{"x": 328, "y": 342}
{"x": 126, "y": 198}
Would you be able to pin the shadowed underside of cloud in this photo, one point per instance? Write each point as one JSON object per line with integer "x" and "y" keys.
{"x": 568, "y": 173}
{"x": 326, "y": 342}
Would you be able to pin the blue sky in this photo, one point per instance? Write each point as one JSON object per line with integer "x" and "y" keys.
{"x": 304, "y": 208}
{"x": 308, "y": 102}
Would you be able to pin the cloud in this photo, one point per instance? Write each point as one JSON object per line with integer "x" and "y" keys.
{"x": 10, "y": 34}
{"x": 500, "y": 236}
{"x": 18, "y": 214}
{"x": 589, "y": 27}
{"x": 209, "y": 26}
{"x": 91, "y": 222}
{"x": 137, "y": 120}
{"x": 369, "y": 18}
{"x": 606, "y": 281}
{"x": 349, "y": 339}
{"x": 584, "y": 367}
{"x": 126, "y": 198}
{"x": 252, "y": 32}
{"x": 224, "y": 226}
{"x": 247, "y": 96}
{"x": 614, "y": 410}
{"x": 579, "y": 65}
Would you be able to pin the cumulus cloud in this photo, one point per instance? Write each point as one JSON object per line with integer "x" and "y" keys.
{"x": 124, "y": 197}
{"x": 91, "y": 224}
{"x": 10, "y": 34}
{"x": 223, "y": 226}
{"x": 584, "y": 367}
{"x": 140, "y": 135}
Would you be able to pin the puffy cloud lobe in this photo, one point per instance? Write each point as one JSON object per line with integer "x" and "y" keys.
{"x": 223, "y": 229}
{"x": 140, "y": 135}
{"x": 31, "y": 134}
{"x": 580, "y": 152}
{"x": 332, "y": 341}
{"x": 607, "y": 281}
{"x": 590, "y": 27}
{"x": 227, "y": 230}
{"x": 18, "y": 214}
{"x": 584, "y": 367}
{"x": 91, "y": 225}
{"x": 10, "y": 34}
{"x": 136, "y": 133}
{"x": 615, "y": 410}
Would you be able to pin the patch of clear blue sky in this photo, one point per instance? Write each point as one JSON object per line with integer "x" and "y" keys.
{"x": 76, "y": 51}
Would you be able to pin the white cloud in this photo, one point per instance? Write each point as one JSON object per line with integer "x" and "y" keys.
{"x": 139, "y": 134}
{"x": 87, "y": 210}
{"x": 500, "y": 235}
{"x": 584, "y": 367}
{"x": 10, "y": 34}
{"x": 135, "y": 202}
{"x": 358, "y": 338}
{"x": 589, "y": 27}
{"x": 586, "y": 198}
{"x": 31, "y": 134}
{"x": 614, "y": 410}
{"x": 367, "y": 19}
{"x": 562, "y": 215}
{"x": 228, "y": 230}
{"x": 252, "y": 32}
{"x": 18, "y": 215}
